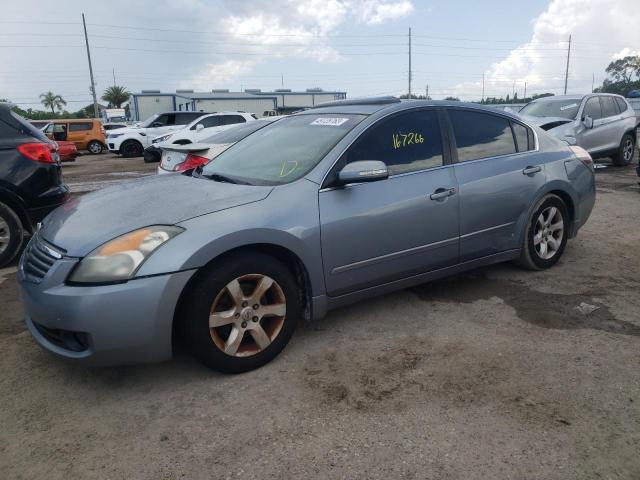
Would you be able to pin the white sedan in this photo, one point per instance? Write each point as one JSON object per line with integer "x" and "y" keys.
{"x": 181, "y": 158}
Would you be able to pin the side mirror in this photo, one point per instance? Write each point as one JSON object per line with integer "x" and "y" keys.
{"x": 588, "y": 121}
{"x": 199, "y": 127}
{"x": 363, "y": 171}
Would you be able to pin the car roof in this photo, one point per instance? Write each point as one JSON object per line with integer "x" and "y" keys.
{"x": 360, "y": 106}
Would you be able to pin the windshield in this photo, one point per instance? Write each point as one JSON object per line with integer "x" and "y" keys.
{"x": 552, "y": 108}
{"x": 236, "y": 133}
{"x": 148, "y": 121}
{"x": 283, "y": 151}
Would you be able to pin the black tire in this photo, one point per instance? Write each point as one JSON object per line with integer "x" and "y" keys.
{"x": 210, "y": 285}
{"x": 95, "y": 147}
{"x": 531, "y": 258}
{"x": 151, "y": 157}
{"x": 626, "y": 151}
{"x": 11, "y": 235}
{"x": 131, "y": 148}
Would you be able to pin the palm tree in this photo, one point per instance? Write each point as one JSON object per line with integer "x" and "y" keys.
{"x": 52, "y": 101}
{"x": 116, "y": 96}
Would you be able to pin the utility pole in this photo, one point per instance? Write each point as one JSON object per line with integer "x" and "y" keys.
{"x": 426, "y": 92}
{"x": 482, "y": 87}
{"x": 93, "y": 84}
{"x": 593, "y": 81}
{"x": 409, "y": 62}
{"x": 525, "y": 90}
{"x": 282, "y": 79}
{"x": 113, "y": 70}
{"x": 513, "y": 90}
{"x": 566, "y": 73}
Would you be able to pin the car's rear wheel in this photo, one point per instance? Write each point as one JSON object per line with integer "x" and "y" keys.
{"x": 546, "y": 235}
{"x": 131, "y": 148}
{"x": 95, "y": 147}
{"x": 241, "y": 312}
{"x": 625, "y": 151}
{"x": 11, "y": 235}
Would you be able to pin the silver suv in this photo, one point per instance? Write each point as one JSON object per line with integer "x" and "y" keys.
{"x": 602, "y": 124}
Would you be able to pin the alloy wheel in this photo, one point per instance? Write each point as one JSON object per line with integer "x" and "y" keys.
{"x": 95, "y": 147}
{"x": 627, "y": 150}
{"x": 5, "y": 235}
{"x": 247, "y": 315}
{"x": 548, "y": 233}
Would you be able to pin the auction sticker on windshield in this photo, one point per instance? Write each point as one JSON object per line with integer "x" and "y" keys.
{"x": 567, "y": 107}
{"x": 329, "y": 121}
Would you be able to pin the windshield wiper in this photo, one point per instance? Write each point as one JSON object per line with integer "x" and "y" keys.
{"x": 223, "y": 178}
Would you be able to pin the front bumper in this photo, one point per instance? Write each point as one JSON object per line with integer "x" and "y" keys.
{"x": 120, "y": 324}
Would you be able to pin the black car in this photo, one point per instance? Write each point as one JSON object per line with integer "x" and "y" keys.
{"x": 31, "y": 183}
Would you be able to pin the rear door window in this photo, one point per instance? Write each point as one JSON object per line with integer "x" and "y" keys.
{"x": 407, "y": 142}
{"x": 592, "y": 108}
{"x": 481, "y": 135}
{"x": 210, "y": 122}
{"x": 609, "y": 107}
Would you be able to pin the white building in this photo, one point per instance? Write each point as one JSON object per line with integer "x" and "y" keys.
{"x": 144, "y": 104}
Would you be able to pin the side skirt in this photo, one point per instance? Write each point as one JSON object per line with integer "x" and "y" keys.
{"x": 323, "y": 303}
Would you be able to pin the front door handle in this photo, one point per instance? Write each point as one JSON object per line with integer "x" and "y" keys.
{"x": 531, "y": 170}
{"x": 441, "y": 193}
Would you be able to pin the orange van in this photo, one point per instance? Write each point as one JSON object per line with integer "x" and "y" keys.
{"x": 85, "y": 133}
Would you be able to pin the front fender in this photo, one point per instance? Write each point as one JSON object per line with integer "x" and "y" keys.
{"x": 288, "y": 218}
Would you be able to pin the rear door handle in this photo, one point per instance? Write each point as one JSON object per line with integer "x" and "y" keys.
{"x": 441, "y": 193}
{"x": 531, "y": 170}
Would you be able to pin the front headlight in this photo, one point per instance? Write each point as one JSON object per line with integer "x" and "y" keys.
{"x": 119, "y": 259}
{"x": 163, "y": 138}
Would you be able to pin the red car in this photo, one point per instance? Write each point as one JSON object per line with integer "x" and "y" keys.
{"x": 67, "y": 151}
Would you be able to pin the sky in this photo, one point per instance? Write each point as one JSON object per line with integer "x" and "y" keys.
{"x": 357, "y": 46}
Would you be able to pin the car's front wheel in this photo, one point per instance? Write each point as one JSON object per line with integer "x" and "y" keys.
{"x": 546, "y": 235}
{"x": 625, "y": 152}
{"x": 241, "y": 312}
{"x": 131, "y": 148}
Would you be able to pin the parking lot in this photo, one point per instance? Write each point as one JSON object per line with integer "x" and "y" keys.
{"x": 498, "y": 373}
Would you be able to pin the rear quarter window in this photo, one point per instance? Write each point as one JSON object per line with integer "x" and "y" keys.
{"x": 622, "y": 105}
{"x": 523, "y": 137}
{"x": 80, "y": 127}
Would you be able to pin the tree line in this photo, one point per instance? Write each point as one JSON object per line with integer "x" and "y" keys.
{"x": 54, "y": 104}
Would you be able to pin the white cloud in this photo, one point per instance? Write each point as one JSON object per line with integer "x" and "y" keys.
{"x": 298, "y": 28}
{"x": 601, "y": 31}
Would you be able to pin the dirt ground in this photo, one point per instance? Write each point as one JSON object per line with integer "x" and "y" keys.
{"x": 495, "y": 374}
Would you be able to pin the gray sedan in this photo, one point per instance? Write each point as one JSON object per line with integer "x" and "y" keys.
{"x": 317, "y": 210}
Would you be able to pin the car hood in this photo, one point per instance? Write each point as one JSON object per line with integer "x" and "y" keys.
{"x": 84, "y": 223}
{"x": 547, "y": 123}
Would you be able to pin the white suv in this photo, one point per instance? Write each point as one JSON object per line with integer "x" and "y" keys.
{"x": 131, "y": 141}
{"x": 204, "y": 127}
